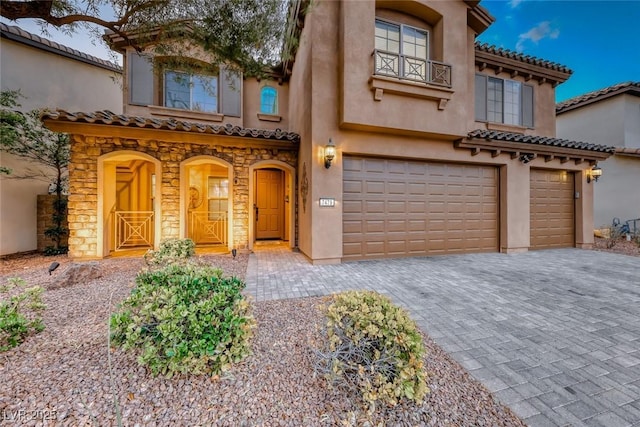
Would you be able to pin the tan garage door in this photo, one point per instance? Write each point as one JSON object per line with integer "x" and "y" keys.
{"x": 552, "y": 209}
{"x": 395, "y": 208}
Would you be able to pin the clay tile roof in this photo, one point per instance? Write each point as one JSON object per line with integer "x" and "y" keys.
{"x": 506, "y": 53}
{"x": 539, "y": 140}
{"x": 109, "y": 118}
{"x": 19, "y": 35}
{"x": 598, "y": 95}
{"x": 634, "y": 152}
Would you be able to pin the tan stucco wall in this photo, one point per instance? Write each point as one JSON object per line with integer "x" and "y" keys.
{"x": 400, "y": 126}
{"x": 395, "y": 113}
{"x": 251, "y": 105}
{"x": 300, "y": 111}
{"x": 617, "y": 192}
{"x": 614, "y": 121}
{"x": 53, "y": 81}
{"x": 250, "y": 102}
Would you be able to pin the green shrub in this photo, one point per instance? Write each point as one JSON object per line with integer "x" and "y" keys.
{"x": 20, "y": 314}
{"x": 374, "y": 348}
{"x": 184, "y": 319}
{"x": 172, "y": 251}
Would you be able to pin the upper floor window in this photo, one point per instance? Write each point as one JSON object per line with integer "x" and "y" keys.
{"x": 191, "y": 91}
{"x": 269, "y": 100}
{"x": 401, "y": 51}
{"x": 503, "y": 101}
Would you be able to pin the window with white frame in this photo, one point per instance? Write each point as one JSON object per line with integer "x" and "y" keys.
{"x": 503, "y": 101}
{"x": 269, "y": 100}
{"x": 401, "y": 51}
{"x": 191, "y": 91}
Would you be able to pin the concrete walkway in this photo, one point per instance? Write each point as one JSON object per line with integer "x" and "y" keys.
{"x": 555, "y": 335}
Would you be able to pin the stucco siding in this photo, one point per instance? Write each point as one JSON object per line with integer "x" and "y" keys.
{"x": 631, "y": 121}
{"x": 617, "y": 193}
{"x": 53, "y": 81}
{"x": 599, "y": 123}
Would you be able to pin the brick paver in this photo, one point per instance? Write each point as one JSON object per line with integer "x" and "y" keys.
{"x": 555, "y": 335}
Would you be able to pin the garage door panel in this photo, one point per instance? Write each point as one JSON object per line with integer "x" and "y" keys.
{"x": 424, "y": 208}
{"x": 374, "y": 226}
{"x": 374, "y": 206}
{"x": 552, "y": 209}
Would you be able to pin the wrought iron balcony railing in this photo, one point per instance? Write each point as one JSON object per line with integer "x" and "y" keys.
{"x": 411, "y": 68}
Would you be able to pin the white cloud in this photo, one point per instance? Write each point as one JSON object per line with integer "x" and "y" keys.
{"x": 514, "y": 3}
{"x": 537, "y": 33}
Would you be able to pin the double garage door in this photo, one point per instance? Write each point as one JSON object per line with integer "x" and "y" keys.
{"x": 407, "y": 208}
{"x": 395, "y": 208}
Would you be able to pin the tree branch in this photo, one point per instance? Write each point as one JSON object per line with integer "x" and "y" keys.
{"x": 25, "y": 9}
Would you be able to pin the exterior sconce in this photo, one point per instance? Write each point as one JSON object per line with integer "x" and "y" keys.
{"x": 594, "y": 173}
{"x": 526, "y": 158}
{"x": 329, "y": 153}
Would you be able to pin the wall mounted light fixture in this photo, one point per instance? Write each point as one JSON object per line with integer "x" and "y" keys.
{"x": 594, "y": 173}
{"x": 329, "y": 153}
{"x": 526, "y": 158}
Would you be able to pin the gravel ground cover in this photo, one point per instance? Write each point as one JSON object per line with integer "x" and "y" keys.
{"x": 622, "y": 246}
{"x": 63, "y": 373}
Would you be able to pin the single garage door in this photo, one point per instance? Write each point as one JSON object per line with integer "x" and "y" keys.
{"x": 552, "y": 209}
{"x": 395, "y": 208}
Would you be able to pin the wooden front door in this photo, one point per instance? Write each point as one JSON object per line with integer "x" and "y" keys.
{"x": 269, "y": 204}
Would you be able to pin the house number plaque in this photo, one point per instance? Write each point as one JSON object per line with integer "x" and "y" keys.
{"x": 326, "y": 202}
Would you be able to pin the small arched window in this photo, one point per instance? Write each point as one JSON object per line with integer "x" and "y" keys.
{"x": 268, "y": 100}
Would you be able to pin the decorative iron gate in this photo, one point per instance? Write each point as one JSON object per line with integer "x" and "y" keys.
{"x": 208, "y": 228}
{"x": 133, "y": 229}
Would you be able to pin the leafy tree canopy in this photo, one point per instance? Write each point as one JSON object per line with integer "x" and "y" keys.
{"x": 248, "y": 34}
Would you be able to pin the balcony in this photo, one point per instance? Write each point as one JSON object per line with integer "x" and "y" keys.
{"x": 411, "y": 68}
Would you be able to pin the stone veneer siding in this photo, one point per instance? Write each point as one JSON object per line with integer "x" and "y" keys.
{"x": 45, "y": 221}
{"x": 83, "y": 184}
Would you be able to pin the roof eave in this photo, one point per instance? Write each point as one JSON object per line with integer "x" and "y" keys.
{"x": 478, "y": 18}
{"x": 515, "y": 67}
{"x": 69, "y": 53}
{"x": 629, "y": 90}
{"x": 547, "y": 147}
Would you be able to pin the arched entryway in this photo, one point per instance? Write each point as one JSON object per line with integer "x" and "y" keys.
{"x": 206, "y": 189}
{"x": 128, "y": 202}
{"x": 272, "y": 211}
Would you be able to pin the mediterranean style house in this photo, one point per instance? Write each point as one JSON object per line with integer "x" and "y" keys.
{"x": 390, "y": 133}
{"x": 609, "y": 116}
{"x": 48, "y": 75}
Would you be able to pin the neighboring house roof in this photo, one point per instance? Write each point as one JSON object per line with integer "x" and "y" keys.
{"x": 632, "y": 152}
{"x": 109, "y": 118}
{"x": 631, "y": 88}
{"x": 505, "y": 60}
{"x": 19, "y": 35}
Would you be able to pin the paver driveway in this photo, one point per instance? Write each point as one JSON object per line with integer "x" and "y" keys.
{"x": 555, "y": 335}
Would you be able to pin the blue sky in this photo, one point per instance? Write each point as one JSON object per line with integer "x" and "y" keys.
{"x": 598, "y": 39}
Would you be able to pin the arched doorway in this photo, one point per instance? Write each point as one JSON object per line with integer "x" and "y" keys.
{"x": 206, "y": 201}
{"x": 272, "y": 212}
{"x": 128, "y": 202}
